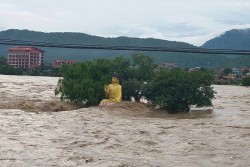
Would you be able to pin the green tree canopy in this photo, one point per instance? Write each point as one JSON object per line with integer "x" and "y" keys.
{"x": 174, "y": 90}
{"x": 177, "y": 89}
{"x": 140, "y": 72}
{"x": 227, "y": 71}
{"x": 82, "y": 83}
{"x": 3, "y": 61}
{"x": 246, "y": 81}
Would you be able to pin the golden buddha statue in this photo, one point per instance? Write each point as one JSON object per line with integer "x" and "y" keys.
{"x": 113, "y": 92}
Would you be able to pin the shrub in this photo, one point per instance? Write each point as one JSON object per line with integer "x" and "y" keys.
{"x": 177, "y": 89}
{"x": 140, "y": 71}
{"x": 174, "y": 90}
{"x": 83, "y": 83}
{"x": 246, "y": 81}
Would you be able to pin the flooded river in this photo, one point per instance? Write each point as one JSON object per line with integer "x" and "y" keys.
{"x": 128, "y": 134}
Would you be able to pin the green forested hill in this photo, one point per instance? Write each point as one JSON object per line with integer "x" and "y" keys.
{"x": 182, "y": 59}
{"x": 233, "y": 39}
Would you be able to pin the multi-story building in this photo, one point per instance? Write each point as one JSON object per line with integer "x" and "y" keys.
{"x": 25, "y": 57}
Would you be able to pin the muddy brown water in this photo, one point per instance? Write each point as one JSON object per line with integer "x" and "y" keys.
{"x": 128, "y": 134}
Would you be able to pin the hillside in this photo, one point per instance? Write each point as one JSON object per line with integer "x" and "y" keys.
{"x": 182, "y": 59}
{"x": 233, "y": 39}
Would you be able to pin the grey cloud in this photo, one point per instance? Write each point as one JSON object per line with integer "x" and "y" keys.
{"x": 183, "y": 20}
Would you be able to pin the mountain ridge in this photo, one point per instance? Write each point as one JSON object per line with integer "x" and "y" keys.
{"x": 181, "y": 59}
{"x": 232, "y": 39}
{"x": 238, "y": 39}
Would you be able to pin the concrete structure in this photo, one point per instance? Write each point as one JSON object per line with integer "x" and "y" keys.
{"x": 25, "y": 57}
{"x": 236, "y": 71}
{"x": 59, "y": 63}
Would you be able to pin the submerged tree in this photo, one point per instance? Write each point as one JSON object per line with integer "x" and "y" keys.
{"x": 140, "y": 72}
{"x": 177, "y": 89}
{"x": 82, "y": 83}
{"x": 174, "y": 90}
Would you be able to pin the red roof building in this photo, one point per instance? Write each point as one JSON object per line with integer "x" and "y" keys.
{"x": 25, "y": 57}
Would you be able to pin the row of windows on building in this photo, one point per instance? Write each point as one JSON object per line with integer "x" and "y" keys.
{"x": 23, "y": 54}
{"x": 20, "y": 60}
{"x": 30, "y": 57}
{"x": 25, "y": 57}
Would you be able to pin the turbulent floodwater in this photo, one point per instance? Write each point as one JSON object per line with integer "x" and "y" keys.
{"x": 128, "y": 134}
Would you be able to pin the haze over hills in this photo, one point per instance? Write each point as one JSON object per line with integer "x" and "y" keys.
{"x": 233, "y": 39}
{"x": 238, "y": 39}
{"x": 181, "y": 59}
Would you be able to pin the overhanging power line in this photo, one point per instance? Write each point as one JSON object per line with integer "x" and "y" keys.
{"x": 114, "y": 47}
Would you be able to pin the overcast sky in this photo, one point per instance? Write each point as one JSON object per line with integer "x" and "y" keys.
{"x": 192, "y": 21}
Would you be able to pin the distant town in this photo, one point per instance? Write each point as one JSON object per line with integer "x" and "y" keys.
{"x": 31, "y": 58}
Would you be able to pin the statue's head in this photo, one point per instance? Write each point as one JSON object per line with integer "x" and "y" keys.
{"x": 115, "y": 78}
